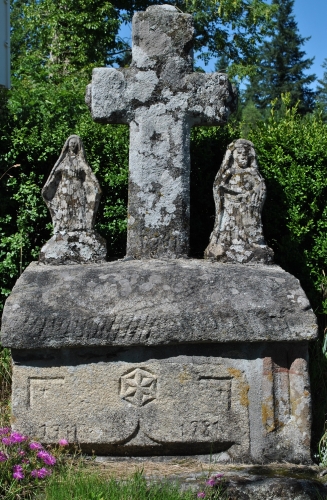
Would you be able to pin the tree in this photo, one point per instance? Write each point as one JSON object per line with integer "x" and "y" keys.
{"x": 322, "y": 91}
{"x": 57, "y": 37}
{"x": 232, "y": 27}
{"x": 281, "y": 65}
{"x": 55, "y": 44}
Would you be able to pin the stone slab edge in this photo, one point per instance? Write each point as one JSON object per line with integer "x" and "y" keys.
{"x": 153, "y": 302}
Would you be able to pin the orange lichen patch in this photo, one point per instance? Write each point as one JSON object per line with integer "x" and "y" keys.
{"x": 244, "y": 388}
{"x": 244, "y": 399}
{"x": 267, "y": 413}
{"x": 235, "y": 373}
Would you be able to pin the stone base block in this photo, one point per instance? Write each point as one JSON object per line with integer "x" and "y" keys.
{"x": 75, "y": 247}
{"x": 235, "y": 401}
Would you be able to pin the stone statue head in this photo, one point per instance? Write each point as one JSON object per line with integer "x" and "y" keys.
{"x": 72, "y": 147}
{"x": 241, "y": 153}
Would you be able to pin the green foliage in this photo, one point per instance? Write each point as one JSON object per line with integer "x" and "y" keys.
{"x": 232, "y": 27}
{"x": 293, "y": 158}
{"x": 38, "y": 132}
{"x": 82, "y": 484}
{"x": 57, "y": 37}
{"x": 322, "y": 92}
{"x": 281, "y": 65}
{"x": 54, "y": 46}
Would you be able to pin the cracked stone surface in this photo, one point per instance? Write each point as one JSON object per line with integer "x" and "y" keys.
{"x": 161, "y": 98}
{"x": 239, "y": 193}
{"x": 72, "y": 195}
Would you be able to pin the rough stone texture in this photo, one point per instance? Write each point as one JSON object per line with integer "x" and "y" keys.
{"x": 72, "y": 195}
{"x": 155, "y": 302}
{"x": 239, "y": 194}
{"x": 268, "y": 482}
{"x": 262, "y": 488}
{"x": 165, "y": 357}
{"x": 236, "y": 401}
{"x": 161, "y": 98}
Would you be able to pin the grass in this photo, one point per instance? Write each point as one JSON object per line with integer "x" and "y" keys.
{"x": 5, "y": 385}
{"x": 83, "y": 484}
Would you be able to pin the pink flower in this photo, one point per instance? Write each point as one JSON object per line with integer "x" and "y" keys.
{"x": 211, "y": 482}
{"x": 18, "y": 472}
{"x": 201, "y": 494}
{"x": 219, "y": 476}
{"x": 63, "y": 442}
{"x": 35, "y": 446}
{"x": 3, "y": 456}
{"x": 46, "y": 457}
{"x": 21, "y": 452}
{"x": 16, "y": 437}
{"x": 4, "y": 430}
{"x": 7, "y": 441}
{"x": 40, "y": 473}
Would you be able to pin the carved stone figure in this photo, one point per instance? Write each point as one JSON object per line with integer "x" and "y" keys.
{"x": 72, "y": 194}
{"x": 239, "y": 193}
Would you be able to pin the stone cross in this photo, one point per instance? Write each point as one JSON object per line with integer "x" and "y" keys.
{"x": 161, "y": 98}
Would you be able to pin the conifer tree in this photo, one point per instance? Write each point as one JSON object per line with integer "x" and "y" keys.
{"x": 322, "y": 91}
{"x": 282, "y": 65}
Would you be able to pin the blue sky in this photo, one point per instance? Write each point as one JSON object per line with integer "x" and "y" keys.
{"x": 311, "y": 18}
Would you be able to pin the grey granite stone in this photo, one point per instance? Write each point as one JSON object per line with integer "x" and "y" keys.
{"x": 239, "y": 193}
{"x": 161, "y": 98}
{"x": 155, "y": 302}
{"x": 72, "y": 195}
{"x": 236, "y": 402}
{"x": 166, "y": 357}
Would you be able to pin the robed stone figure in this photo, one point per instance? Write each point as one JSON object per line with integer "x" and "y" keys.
{"x": 239, "y": 194}
{"x": 72, "y": 194}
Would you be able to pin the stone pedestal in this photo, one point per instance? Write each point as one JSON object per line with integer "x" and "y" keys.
{"x": 183, "y": 357}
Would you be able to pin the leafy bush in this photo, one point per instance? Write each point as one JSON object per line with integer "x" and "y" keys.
{"x": 39, "y": 118}
{"x": 292, "y": 153}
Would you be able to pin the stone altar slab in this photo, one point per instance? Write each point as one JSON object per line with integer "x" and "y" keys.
{"x": 188, "y": 358}
{"x": 152, "y": 302}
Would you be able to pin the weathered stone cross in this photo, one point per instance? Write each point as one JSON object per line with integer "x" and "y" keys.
{"x": 161, "y": 98}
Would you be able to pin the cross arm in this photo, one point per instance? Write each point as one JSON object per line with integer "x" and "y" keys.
{"x": 211, "y": 98}
{"x": 114, "y": 94}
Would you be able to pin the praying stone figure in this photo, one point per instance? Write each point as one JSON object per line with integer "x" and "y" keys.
{"x": 239, "y": 193}
{"x": 72, "y": 194}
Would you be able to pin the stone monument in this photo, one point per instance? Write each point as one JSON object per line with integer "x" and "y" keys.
{"x": 239, "y": 193}
{"x": 161, "y": 98}
{"x": 165, "y": 355}
{"x": 72, "y": 194}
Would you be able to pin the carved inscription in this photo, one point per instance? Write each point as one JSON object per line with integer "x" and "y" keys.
{"x": 138, "y": 387}
{"x": 44, "y": 390}
{"x": 220, "y": 388}
{"x": 54, "y": 432}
